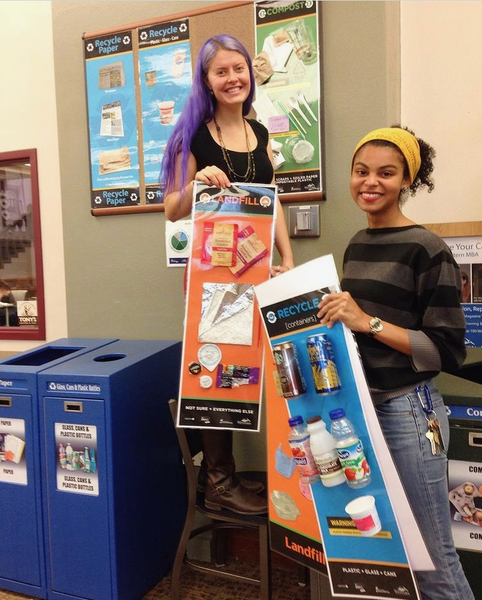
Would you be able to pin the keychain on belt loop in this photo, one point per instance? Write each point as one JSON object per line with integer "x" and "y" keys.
{"x": 434, "y": 429}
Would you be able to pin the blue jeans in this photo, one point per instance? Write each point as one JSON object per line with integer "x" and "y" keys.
{"x": 425, "y": 480}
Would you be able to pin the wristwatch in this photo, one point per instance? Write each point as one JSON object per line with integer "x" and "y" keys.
{"x": 375, "y": 326}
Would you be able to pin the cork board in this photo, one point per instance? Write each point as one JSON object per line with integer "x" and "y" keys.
{"x": 462, "y": 229}
{"x": 235, "y": 18}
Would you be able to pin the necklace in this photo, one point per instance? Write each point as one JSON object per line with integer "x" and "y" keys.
{"x": 251, "y": 168}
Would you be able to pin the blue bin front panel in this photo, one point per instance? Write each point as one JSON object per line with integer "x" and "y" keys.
{"x": 144, "y": 492}
{"x": 20, "y": 514}
{"x": 79, "y": 523}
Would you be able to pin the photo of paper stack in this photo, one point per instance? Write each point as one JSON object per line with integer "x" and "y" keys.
{"x": 13, "y": 448}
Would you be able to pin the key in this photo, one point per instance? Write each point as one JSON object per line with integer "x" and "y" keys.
{"x": 433, "y": 446}
{"x": 437, "y": 432}
{"x": 435, "y": 438}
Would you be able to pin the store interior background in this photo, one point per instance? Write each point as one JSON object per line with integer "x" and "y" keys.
{"x": 409, "y": 62}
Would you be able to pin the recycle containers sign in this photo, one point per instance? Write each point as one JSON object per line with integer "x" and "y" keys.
{"x": 357, "y": 535}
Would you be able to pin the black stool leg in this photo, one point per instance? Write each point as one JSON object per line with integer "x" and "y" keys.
{"x": 219, "y": 543}
{"x": 302, "y": 575}
{"x": 264, "y": 563}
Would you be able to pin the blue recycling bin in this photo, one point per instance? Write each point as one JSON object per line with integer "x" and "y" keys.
{"x": 22, "y": 560}
{"x": 115, "y": 492}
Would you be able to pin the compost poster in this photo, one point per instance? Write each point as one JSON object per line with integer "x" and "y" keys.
{"x": 287, "y": 72}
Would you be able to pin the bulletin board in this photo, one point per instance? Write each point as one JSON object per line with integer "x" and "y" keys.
{"x": 115, "y": 59}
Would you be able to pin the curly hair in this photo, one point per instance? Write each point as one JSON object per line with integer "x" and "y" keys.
{"x": 427, "y": 154}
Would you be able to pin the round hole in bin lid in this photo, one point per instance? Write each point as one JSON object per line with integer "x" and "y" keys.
{"x": 109, "y": 357}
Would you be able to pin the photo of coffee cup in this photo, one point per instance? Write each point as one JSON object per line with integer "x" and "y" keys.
{"x": 166, "y": 110}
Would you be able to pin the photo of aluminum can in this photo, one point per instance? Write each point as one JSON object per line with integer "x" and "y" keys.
{"x": 289, "y": 371}
{"x": 323, "y": 367}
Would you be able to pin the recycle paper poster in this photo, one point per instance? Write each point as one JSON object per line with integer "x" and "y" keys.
{"x": 308, "y": 523}
{"x": 230, "y": 253}
{"x": 111, "y": 106}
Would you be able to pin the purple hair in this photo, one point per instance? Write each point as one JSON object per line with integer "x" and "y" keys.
{"x": 200, "y": 106}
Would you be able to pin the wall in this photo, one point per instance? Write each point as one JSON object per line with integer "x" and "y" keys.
{"x": 28, "y": 119}
{"x": 117, "y": 281}
{"x": 441, "y": 93}
{"x": 116, "y": 275}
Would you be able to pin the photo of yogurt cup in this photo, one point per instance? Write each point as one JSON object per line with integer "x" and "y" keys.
{"x": 364, "y": 514}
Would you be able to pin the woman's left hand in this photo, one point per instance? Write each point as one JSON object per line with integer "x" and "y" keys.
{"x": 342, "y": 307}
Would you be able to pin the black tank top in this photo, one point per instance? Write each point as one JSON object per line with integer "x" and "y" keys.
{"x": 207, "y": 152}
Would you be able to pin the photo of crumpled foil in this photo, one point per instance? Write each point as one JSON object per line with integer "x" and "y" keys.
{"x": 227, "y": 314}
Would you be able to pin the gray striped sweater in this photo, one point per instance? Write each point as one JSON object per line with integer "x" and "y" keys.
{"x": 406, "y": 276}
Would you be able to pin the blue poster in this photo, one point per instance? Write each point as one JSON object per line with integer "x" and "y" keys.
{"x": 357, "y": 528}
{"x": 165, "y": 81}
{"x": 467, "y": 252}
{"x": 111, "y": 104}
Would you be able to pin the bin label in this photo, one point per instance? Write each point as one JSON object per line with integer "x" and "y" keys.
{"x": 455, "y": 411}
{"x": 62, "y": 386}
{"x": 465, "y": 495}
{"x": 13, "y": 465}
{"x": 76, "y": 458}
{"x": 13, "y": 385}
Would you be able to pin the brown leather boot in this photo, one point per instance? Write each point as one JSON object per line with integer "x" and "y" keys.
{"x": 223, "y": 489}
{"x": 255, "y": 487}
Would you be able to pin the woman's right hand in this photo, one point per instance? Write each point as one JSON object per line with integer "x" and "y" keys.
{"x": 212, "y": 175}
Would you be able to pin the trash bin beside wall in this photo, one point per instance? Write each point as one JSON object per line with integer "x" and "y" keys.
{"x": 22, "y": 560}
{"x": 463, "y": 399}
{"x": 115, "y": 492}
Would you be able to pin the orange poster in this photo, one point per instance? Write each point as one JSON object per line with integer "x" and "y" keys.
{"x": 231, "y": 250}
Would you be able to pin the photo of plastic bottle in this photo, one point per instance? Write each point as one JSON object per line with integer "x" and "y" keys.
{"x": 324, "y": 452}
{"x": 350, "y": 450}
{"x": 62, "y": 456}
{"x": 68, "y": 457}
{"x": 299, "y": 440}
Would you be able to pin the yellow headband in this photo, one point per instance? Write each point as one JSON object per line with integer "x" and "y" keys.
{"x": 403, "y": 140}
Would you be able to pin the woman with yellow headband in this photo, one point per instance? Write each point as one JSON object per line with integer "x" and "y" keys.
{"x": 401, "y": 298}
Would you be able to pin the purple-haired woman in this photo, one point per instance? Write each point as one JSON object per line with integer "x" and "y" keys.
{"x": 213, "y": 142}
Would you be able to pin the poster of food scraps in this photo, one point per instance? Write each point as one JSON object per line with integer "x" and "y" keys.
{"x": 356, "y": 527}
{"x": 287, "y": 73}
{"x": 222, "y": 362}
